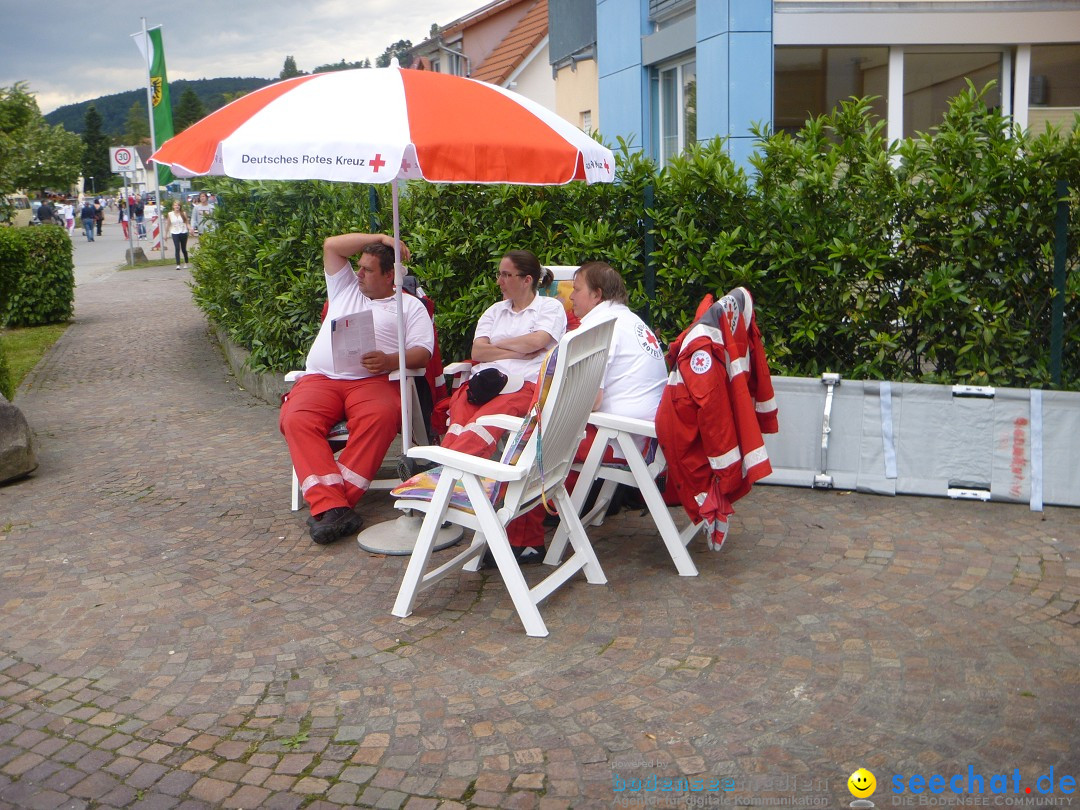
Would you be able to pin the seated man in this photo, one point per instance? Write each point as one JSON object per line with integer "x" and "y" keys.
{"x": 367, "y": 399}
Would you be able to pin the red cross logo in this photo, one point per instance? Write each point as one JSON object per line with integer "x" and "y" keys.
{"x": 606, "y": 167}
{"x": 406, "y": 166}
{"x": 649, "y": 336}
{"x": 377, "y": 163}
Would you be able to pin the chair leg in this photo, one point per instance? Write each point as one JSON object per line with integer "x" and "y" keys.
{"x": 509, "y": 569}
{"x": 585, "y": 480}
{"x": 676, "y": 546}
{"x": 295, "y": 491}
{"x": 579, "y": 539}
{"x": 421, "y": 555}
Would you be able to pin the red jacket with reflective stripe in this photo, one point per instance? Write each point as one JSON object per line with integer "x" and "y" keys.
{"x": 718, "y": 402}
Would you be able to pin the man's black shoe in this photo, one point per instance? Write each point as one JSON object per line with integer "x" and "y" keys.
{"x": 333, "y": 524}
{"x": 525, "y": 555}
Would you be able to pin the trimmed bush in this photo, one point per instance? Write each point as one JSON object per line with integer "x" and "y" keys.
{"x": 12, "y": 261}
{"x": 258, "y": 274}
{"x": 45, "y": 289}
{"x": 929, "y": 260}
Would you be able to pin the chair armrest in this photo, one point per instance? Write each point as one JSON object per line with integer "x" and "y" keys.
{"x": 395, "y": 375}
{"x": 501, "y": 420}
{"x": 294, "y": 375}
{"x": 626, "y": 424}
{"x": 483, "y": 467}
{"x": 460, "y": 367}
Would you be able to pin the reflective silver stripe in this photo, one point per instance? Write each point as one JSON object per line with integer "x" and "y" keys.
{"x": 1036, "y": 438}
{"x": 455, "y": 429}
{"x": 481, "y": 432}
{"x": 325, "y": 480}
{"x": 740, "y": 365}
{"x": 768, "y": 406}
{"x": 724, "y": 461}
{"x": 700, "y": 497}
{"x": 711, "y": 332}
{"x": 353, "y": 478}
{"x": 674, "y": 378}
{"x": 754, "y": 457}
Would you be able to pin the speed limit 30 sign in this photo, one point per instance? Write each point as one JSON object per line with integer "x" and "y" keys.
{"x": 122, "y": 158}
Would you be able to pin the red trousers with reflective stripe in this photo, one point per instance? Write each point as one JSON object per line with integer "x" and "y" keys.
{"x": 465, "y": 437}
{"x": 372, "y": 410}
{"x": 528, "y": 529}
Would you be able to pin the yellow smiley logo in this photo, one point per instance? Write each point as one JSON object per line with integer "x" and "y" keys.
{"x": 862, "y": 783}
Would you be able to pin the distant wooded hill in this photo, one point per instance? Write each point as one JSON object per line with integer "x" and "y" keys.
{"x": 114, "y": 109}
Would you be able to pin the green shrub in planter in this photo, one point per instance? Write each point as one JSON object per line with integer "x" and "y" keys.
{"x": 45, "y": 289}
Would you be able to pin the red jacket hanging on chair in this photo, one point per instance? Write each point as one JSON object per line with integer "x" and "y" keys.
{"x": 717, "y": 404}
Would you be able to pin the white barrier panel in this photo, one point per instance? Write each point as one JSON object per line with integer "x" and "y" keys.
{"x": 1000, "y": 444}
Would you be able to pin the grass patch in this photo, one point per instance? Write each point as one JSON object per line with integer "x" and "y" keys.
{"x": 25, "y": 346}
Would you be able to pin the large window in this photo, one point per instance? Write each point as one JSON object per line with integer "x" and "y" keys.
{"x": 674, "y": 108}
{"x": 812, "y": 81}
{"x": 932, "y": 78}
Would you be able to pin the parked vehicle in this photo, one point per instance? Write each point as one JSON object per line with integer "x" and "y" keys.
{"x": 22, "y": 213}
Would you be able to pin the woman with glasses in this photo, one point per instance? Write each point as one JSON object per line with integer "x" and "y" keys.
{"x": 511, "y": 339}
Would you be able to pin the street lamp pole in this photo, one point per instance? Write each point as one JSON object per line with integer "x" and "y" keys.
{"x": 92, "y": 189}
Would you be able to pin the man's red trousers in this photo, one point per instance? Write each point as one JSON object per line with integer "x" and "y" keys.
{"x": 372, "y": 410}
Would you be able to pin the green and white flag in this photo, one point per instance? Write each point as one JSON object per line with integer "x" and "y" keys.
{"x": 159, "y": 92}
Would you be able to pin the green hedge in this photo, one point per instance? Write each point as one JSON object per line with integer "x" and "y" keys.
{"x": 44, "y": 291}
{"x": 13, "y": 256}
{"x": 930, "y": 260}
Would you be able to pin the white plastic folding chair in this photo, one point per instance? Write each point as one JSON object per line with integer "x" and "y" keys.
{"x": 636, "y": 470}
{"x": 485, "y": 495}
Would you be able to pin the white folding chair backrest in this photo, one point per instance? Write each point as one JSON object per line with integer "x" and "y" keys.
{"x": 578, "y": 373}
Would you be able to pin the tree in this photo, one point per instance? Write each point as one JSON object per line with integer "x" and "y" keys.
{"x": 289, "y": 69}
{"x": 33, "y": 154}
{"x": 95, "y": 161}
{"x": 342, "y": 65}
{"x": 189, "y": 110}
{"x": 434, "y": 32}
{"x": 137, "y": 126}
{"x": 399, "y": 50}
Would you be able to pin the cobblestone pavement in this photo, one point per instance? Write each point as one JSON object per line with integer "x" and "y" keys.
{"x": 171, "y": 638}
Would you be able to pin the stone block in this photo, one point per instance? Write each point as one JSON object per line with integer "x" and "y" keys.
{"x": 17, "y": 456}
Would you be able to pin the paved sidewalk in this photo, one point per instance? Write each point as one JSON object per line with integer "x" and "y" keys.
{"x": 172, "y": 638}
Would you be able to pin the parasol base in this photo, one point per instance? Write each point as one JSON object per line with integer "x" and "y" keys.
{"x": 398, "y": 537}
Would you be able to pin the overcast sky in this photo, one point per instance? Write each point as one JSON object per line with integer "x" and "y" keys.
{"x": 69, "y": 53}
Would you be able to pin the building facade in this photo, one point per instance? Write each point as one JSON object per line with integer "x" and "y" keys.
{"x": 671, "y": 72}
{"x": 504, "y": 43}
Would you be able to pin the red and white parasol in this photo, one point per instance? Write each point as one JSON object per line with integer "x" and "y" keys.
{"x": 384, "y": 125}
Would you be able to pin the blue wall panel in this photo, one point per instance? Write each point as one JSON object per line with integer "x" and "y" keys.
{"x": 750, "y": 15}
{"x": 713, "y": 92}
{"x": 751, "y": 67}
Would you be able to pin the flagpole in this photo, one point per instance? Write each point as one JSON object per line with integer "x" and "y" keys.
{"x": 153, "y": 137}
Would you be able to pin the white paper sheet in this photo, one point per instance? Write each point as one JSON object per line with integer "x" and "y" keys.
{"x": 351, "y": 337}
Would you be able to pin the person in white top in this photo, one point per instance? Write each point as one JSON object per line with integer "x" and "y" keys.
{"x": 176, "y": 226}
{"x": 510, "y": 341}
{"x": 364, "y": 397}
{"x": 636, "y": 372}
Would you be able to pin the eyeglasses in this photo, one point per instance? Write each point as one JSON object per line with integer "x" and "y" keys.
{"x": 504, "y": 274}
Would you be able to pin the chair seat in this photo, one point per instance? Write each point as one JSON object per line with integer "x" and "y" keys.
{"x": 421, "y": 487}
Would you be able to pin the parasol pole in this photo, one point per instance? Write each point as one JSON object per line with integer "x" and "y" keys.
{"x": 399, "y": 282}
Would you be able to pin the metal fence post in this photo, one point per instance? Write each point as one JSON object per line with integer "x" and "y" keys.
{"x": 647, "y": 260}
